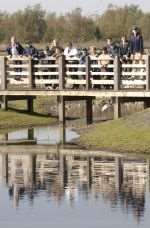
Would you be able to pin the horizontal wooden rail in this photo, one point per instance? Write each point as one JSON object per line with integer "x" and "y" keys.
{"x": 70, "y": 72}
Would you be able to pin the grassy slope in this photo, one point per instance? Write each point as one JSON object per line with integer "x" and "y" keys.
{"x": 131, "y": 134}
{"x": 15, "y": 119}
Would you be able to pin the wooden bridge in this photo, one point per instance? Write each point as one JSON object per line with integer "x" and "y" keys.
{"x": 68, "y": 79}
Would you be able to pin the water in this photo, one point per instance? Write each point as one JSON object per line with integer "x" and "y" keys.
{"x": 54, "y": 190}
{"x": 44, "y": 135}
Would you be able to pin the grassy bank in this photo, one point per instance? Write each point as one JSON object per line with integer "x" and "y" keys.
{"x": 131, "y": 134}
{"x": 17, "y": 116}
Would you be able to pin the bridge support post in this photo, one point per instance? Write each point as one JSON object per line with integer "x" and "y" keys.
{"x": 146, "y": 103}
{"x": 117, "y": 108}
{"x": 148, "y": 174}
{"x": 30, "y": 104}
{"x": 4, "y": 103}
{"x": 31, "y": 134}
{"x": 63, "y": 170}
{"x": 118, "y": 173}
{"x": 89, "y": 110}
{"x": 89, "y": 171}
{"x": 32, "y": 169}
{"x": 61, "y": 116}
{"x": 4, "y": 168}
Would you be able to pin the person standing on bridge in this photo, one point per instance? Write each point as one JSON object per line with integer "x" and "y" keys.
{"x": 136, "y": 44}
{"x": 70, "y": 51}
{"x": 15, "y": 48}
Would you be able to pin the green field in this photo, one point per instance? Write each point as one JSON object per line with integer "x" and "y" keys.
{"x": 131, "y": 134}
{"x": 17, "y": 116}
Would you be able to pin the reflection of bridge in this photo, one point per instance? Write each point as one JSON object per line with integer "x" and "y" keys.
{"x": 74, "y": 81}
{"x": 60, "y": 173}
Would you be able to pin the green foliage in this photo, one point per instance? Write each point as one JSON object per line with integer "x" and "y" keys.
{"x": 34, "y": 24}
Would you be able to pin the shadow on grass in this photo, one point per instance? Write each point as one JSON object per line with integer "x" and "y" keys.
{"x": 24, "y": 111}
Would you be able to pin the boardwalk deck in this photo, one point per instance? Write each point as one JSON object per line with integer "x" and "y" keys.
{"x": 68, "y": 78}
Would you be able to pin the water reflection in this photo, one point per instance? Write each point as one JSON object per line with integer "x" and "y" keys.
{"x": 118, "y": 182}
{"x": 41, "y": 135}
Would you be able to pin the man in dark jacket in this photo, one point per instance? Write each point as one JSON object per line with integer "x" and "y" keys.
{"x": 136, "y": 42}
{"x": 30, "y": 50}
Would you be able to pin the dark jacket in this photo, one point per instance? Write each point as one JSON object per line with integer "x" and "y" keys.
{"x": 124, "y": 50}
{"x": 136, "y": 44}
{"x": 19, "y": 48}
{"x": 31, "y": 51}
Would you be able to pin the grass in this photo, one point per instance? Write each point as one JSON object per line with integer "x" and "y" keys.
{"x": 131, "y": 134}
{"x": 17, "y": 116}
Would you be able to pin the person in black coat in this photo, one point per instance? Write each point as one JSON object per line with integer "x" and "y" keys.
{"x": 136, "y": 42}
{"x": 30, "y": 50}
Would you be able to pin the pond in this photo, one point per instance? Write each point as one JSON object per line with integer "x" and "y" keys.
{"x": 43, "y": 135}
{"x": 64, "y": 190}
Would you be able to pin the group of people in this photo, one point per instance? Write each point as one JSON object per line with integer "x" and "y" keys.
{"x": 128, "y": 50}
{"x": 125, "y": 49}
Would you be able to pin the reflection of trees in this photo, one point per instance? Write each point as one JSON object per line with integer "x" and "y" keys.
{"x": 70, "y": 177}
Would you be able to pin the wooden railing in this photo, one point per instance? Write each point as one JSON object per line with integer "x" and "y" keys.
{"x": 61, "y": 73}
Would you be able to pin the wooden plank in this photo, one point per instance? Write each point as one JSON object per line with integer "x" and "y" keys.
{"x": 88, "y": 73}
{"x": 3, "y": 73}
{"x": 18, "y": 82}
{"x": 22, "y": 73}
{"x": 18, "y": 66}
{"x": 133, "y": 82}
{"x": 20, "y": 58}
{"x": 76, "y": 66}
{"x": 97, "y": 58}
{"x": 99, "y": 66}
{"x": 46, "y": 66}
{"x": 102, "y": 82}
{"x": 117, "y": 73}
{"x": 30, "y": 74}
{"x": 46, "y": 81}
{"x": 102, "y": 73}
{"x": 134, "y": 73}
{"x": 148, "y": 72}
{"x": 61, "y": 72}
{"x": 133, "y": 65}
{"x": 76, "y": 81}
{"x": 69, "y": 73}
{"x": 45, "y": 73}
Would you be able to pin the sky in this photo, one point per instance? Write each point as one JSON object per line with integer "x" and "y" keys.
{"x": 90, "y": 7}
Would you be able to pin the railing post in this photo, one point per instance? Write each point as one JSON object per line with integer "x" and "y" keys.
{"x": 31, "y": 76}
{"x": 117, "y": 73}
{"x": 61, "y": 72}
{"x": 3, "y": 73}
{"x": 147, "y": 72}
{"x": 88, "y": 72}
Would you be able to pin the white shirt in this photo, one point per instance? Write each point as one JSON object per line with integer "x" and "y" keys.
{"x": 14, "y": 51}
{"x": 70, "y": 52}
